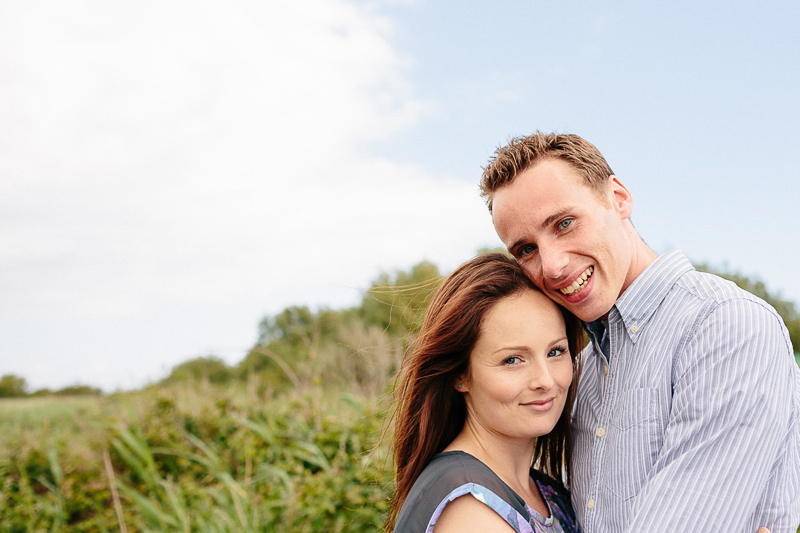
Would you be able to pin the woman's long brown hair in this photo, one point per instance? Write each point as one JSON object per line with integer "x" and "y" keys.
{"x": 430, "y": 412}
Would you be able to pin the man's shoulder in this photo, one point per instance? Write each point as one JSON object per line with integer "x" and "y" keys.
{"x": 672, "y": 290}
{"x": 711, "y": 291}
{"x": 711, "y": 304}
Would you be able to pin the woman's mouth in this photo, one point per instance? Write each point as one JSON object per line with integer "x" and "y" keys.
{"x": 540, "y": 405}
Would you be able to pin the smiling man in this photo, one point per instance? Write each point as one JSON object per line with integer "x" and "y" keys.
{"x": 688, "y": 408}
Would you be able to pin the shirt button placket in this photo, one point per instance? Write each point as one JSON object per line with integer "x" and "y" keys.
{"x": 599, "y": 446}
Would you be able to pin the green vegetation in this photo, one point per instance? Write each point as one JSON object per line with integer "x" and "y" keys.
{"x": 290, "y": 439}
{"x": 293, "y": 438}
{"x": 12, "y": 386}
{"x": 194, "y": 457}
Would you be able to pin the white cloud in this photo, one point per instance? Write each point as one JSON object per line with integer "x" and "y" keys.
{"x": 206, "y": 156}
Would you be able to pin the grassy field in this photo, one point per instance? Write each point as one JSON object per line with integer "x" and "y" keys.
{"x": 193, "y": 458}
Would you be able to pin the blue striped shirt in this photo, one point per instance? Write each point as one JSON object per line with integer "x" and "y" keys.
{"x": 693, "y": 422}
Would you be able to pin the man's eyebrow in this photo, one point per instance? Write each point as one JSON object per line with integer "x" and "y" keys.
{"x": 555, "y": 216}
{"x": 546, "y": 223}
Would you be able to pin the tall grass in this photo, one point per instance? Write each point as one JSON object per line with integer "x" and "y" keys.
{"x": 195, "y": 458}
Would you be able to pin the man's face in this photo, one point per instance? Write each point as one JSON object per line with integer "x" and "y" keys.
{"x": 571, "y": 241}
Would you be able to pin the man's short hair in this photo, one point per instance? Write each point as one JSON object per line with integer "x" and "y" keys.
{"x": 522, "y": 152}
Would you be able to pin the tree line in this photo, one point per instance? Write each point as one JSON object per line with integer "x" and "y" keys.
{"x": 13, "y": 386}
{"x": 357, "y": 349}
{"x": 361, "y": 348}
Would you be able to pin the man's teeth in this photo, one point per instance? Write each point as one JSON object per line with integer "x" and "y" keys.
{"x": 578, "y": 283}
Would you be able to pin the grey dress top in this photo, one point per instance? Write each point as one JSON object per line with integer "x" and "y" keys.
{"x": 450, "y": 475}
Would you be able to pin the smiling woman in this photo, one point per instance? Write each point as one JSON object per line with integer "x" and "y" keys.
{"x": 519, "y": 372}
{"x": 487, "y": 386}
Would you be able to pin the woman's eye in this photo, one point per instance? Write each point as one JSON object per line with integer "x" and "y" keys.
{"x": 555, "y": 352}
{"x": 511, "y": 360}
{"x": 564, "y": 224}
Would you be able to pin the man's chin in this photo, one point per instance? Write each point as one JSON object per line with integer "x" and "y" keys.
{"x": 583, "y": 310}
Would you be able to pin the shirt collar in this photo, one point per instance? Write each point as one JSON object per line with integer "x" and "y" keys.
{"x": 641, "y": 299}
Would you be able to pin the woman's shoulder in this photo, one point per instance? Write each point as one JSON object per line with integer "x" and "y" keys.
{"x": 449, "y": 467}
{"x": 447, "y": 477}
{"x": 449, "y": 470}
{"x": 472, "y": 514}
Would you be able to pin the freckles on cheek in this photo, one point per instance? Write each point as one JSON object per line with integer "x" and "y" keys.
{"x": 533, "y": 274}
{"x": 505, "y": 391}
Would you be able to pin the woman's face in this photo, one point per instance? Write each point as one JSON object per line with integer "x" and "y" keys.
{"x": 520, "y": 369}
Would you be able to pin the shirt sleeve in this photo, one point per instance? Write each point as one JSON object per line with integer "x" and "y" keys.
{"x": 729, "y": 417}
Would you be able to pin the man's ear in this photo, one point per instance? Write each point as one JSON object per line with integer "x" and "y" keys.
{"x": 620, "y": 196}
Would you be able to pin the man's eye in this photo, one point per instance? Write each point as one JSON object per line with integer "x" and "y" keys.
{"x": 527, "y": 249}
{"x": 564, "y": 224}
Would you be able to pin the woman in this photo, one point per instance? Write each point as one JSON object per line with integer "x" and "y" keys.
{"x": 487, "y": 386}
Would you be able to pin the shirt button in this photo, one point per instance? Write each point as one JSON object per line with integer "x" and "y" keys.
{"x": 590, "y": 504}
{"x": 605, "y": 369}
{"x": 600, "y": 432}
{"x": 634, "y": 329}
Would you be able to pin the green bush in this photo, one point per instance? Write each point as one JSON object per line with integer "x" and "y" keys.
{"x": 196, "y": 458}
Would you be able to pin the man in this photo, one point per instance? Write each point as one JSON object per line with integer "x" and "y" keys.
{"x": 688, "y": 407}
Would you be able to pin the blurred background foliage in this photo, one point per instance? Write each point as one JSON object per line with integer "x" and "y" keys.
{"x": 292, "y": 438}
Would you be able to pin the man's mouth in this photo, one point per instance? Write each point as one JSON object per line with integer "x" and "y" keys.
{"x": 579, "y": 283}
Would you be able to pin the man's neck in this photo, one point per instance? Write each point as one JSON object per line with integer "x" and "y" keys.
{"x": 641, "y": 258}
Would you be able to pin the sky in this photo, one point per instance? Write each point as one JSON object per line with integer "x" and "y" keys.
{"x": 171, "y": 172}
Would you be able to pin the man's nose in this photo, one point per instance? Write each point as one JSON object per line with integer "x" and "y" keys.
{"x": 554, "y": 262}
